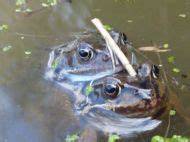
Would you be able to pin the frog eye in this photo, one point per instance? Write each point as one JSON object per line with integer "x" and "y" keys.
{"x": 155, "y": 72}
{"x": 112, "y": 90}
{"x": 124, "y": 39}
{"x": 85, "y": 51}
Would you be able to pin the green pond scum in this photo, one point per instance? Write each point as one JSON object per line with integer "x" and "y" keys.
{"x": 6, "y": 48}
{"x": 4, "y": 27}
{"x": 171, "y": 59}
{"x": 166, "y": 45}
{"x": 72, "y": 138}
{"x": 174, "y": 138}
{"x": 172, "y": 112}
{"x": 108, "y": 27}
{"x": 49, "y": 3}
{"x": 20, "y": 2}
{"x": 176, "y": 70}
{"x": 21, "y": 6}
{"x": 27, "y": 52}
{"x": 113, "y": 138}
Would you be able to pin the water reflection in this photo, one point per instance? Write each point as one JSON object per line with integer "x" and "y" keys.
{"x": 13, "y": 125}
{"x": 110, "y": 122}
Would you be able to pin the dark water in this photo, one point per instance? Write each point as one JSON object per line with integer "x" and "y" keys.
{"x": 33, "y": 109}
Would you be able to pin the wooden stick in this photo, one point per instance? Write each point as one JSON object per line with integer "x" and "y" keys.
{"x": 114, "y": 47}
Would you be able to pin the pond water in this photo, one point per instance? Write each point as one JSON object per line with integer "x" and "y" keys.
{"x": 34, "y": 109}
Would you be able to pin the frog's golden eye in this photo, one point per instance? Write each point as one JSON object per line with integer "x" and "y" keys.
{"x": 111, "y": 90}
{"x": 85, "y": 51}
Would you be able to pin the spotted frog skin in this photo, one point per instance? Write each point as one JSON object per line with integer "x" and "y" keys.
{"x": 85, "y": 58}
{"x": 142, "y": 96}
{"x": 86, "y": 61}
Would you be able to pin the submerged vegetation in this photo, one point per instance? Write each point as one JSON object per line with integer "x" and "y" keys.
{"x": 4, "y": 27}
{"x": 72, "y": 138}
{"x": 174, "y": 138}
{"x": 22, "y": 5}
{"x": 113, "y": 138}
{"x": 49, "y": 3}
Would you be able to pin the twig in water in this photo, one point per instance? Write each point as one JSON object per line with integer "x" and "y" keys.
{"x": 114, "y": 47}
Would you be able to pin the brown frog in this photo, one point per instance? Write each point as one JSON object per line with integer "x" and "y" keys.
{"x": 142, "y": 96}
{"x": 86, "y": 58}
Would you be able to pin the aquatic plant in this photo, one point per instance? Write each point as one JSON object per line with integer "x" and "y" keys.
{"x": 174, "y": 138}
{"x": 113, "y": 138}
{"x": 21, "y": 6}
{"x": 4, "y": 27}
{"x": 72, "y": 138}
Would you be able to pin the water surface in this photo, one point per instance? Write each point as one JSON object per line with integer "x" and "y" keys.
{"x": 34, "y": 109}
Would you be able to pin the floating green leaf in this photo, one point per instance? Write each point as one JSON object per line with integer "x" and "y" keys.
{"x": 171, "y": 59}
{"x": 72, "y": 138}
{"x": 113, "y": 138}
{"x": 165, "y": 45}
{"x": 22, "y": 37}
{"x": 20, "y": 2}
{"x": 108, "y": 27}
{"x": 176, "y": 70}
{"x": 45, "y": 4}
{"x": 22, "y": 7}
{"x": 175, "y": 138}
{"x": 6, "y": 48}
{"x": 3, "y": 27}
{"x": 130, "y": 21}
{"x": 53, "y": 2}
{"x": 27, "y": 52}
{"x": 49, "y": 3}
{"x": 182, "y": 15}
{"x": 18, "y": 9}
{"x": 88, "y": 90}
{"x": 28, "y": 10}
{"x": 157, "y": 139}
{"x": 172, "y": 112}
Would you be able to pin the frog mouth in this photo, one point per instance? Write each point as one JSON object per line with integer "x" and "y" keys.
{"x": 85, "y": 74}
{"x": 91, "y": 70}
{"x": 126, "y": 110}
{"x": 111, "y": 122}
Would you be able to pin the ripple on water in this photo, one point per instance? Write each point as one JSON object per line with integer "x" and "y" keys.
{"x": 13, "y": 126}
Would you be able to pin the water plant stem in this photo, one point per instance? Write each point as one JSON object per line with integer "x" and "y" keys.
{"x": 121, "y": 56}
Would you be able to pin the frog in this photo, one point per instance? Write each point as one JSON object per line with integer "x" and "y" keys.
{"x": 134, "y": 97}
{"x": 120, "y": 99}
{"x": 86, "y": 57}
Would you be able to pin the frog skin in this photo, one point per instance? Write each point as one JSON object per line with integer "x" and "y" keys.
{"x": 142, "y": 96}
{"x": 85, "y": 58}
{"x": 127, "y": 110}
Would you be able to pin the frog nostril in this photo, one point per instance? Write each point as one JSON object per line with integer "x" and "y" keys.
{"x": 57, "y": 51}
{"x": 105, "y": 58}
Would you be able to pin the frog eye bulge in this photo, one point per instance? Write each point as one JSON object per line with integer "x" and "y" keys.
{"x": 111, "y": 90}
{"x": 155, "y": 72}
{"x": 124, "y": 39}
{"x": 85, "y": 51}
